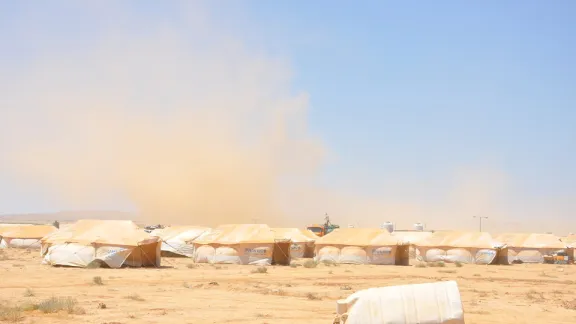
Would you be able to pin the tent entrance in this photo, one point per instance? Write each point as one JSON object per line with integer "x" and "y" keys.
{"x": 501, "y": 256}
{"x": 281, "y": 253}
{"x": 402, "y": 256}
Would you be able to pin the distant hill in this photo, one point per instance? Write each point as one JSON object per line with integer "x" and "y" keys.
{"x": 66, "y": 216}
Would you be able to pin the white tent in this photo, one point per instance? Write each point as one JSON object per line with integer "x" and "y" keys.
{"x": 178, "y": 239}
{"x": 23, "y": 235}
{"x": 529, "y": 247}
{"x": 110, "y": 242}
{"x": 302, "y": 241}
{"x": 241, "y": 244}
{"x": 361, "y": 246}
{"x": 454, "y": 246}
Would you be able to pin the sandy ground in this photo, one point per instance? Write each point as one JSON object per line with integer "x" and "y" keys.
{"x": 179, "y": 293}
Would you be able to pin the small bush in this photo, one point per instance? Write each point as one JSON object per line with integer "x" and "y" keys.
{"x": 310, "y": 264}
{"x": 56, "y": 304}
{"x": 192, "y": 266}
{"x": 458, "y": 264}
{"x": 29, "y": 293}
{"x": 437, "y": 264}
{"x": 135, "y": 297}
{"x": 11, "y": 314}
{"x": 313, "y": 296}
{"x": 260, "y": 270}
{"x": 421, "y": 265}
{"x": 329, "y": 263}
{"x": 97, "y": 281}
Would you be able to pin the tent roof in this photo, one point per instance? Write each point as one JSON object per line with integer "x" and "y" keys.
{"x": 412, "y": 237}
{"x": 459, "y": 239}
{"x": 531, "y": 240}
{"x": 570, "y": 239}
{"x": 294, "y": 234}
{"x": 358, "y": 237}
{"x": 114, "y": 232}
{"x": 26, "y": 231}
{"x": 182, "y": 233}
{"x": 237, "y": 234}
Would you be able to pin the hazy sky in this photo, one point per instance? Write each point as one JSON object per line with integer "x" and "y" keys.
{"x": 429, "y": 112}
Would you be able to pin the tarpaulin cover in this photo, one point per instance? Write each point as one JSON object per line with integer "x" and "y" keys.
{"x": 430, "y": 303}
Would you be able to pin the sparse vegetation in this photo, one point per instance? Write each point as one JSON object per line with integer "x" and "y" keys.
{"x": 447, "y": 271}
{"x": 477, "y": 275}
{"x": 310, "y": 264}
{"x": 29, "y": 293}
{"x": 97, "y": 281}
{"x": 192, "y": 266}
{"x": 458, "y": 264}
{"x": 135, "y": 297}
{"x": 329, "y": 263}
{"x": 57, "y": 304}
{"x": 260, "y": 270}
{"x": 437, "y": 264}
{"x": 11, "y": 314}
{"x": 421, "y": 264}
{"x": 313, "y": 296}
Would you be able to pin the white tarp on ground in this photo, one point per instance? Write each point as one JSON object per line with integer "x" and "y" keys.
{"x": 178, "y": 239}
{"x": 430, "y": 303}
{"x": 357, "y": 246}
{"x": 236, "y": 244}
{"x": 454, "y": 246}
{"x": 114, "y": 243}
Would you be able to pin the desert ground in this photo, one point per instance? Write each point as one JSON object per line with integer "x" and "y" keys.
{"x": 182, "y": 292}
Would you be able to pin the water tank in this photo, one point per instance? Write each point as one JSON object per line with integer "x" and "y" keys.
{"x": 389, "y": 226}
{"x": 419, "y": 227}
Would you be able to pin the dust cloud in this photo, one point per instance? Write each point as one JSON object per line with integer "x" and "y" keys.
{"x": 192, "y": 128}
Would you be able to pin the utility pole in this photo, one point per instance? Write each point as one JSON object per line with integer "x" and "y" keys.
{"x": 480, "y": 219}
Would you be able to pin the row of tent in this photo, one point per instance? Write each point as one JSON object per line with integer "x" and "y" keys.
{"x": 123, "y": 243}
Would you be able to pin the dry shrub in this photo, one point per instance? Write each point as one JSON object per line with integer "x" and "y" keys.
{"x": 313, "y": 296}
{"x": 135, "y": 297}
{"x": 192, "y": 266}
{"x": 458, "y": 264}
{"x": 447, "y": 271}
{"x": 29, "y": 293}
{"x": 260, "y": 270}
{"x": 97, "y": 281}
{"x": 11, "y": 314}
{"x": 421, "y": 265}
{"x": 310, "y": 264}
{"x": 437, "y": 264}
{"x": 569, "y": 304}
{"x": 57, "y": 304}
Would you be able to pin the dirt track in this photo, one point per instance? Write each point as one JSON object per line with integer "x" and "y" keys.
{"x": 178, "y": 293}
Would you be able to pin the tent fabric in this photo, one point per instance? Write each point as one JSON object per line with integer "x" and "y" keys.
{"x": 529, "y": 247}
{"x": 24, "y": 236}
{"x": 570, "y": 240}
{"x": 236, "y": 244}
{"x": 454, "y": 246}
{"x": 358, "y": 237}
{"x": 480, "y": 240}
{"x": 302, "y": 241}
{"x": 531, "y": 240}
{"x": 357, "y": 246}
{"x": 177, "y": 239}
{"x": 111, "y": 232}
{"x": 411, "y": 237}
{"x": 432, "y": 303}
{"x": 115, "y": 243}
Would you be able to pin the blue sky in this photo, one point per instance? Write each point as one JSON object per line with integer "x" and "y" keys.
{"x": 407, "y": 98}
